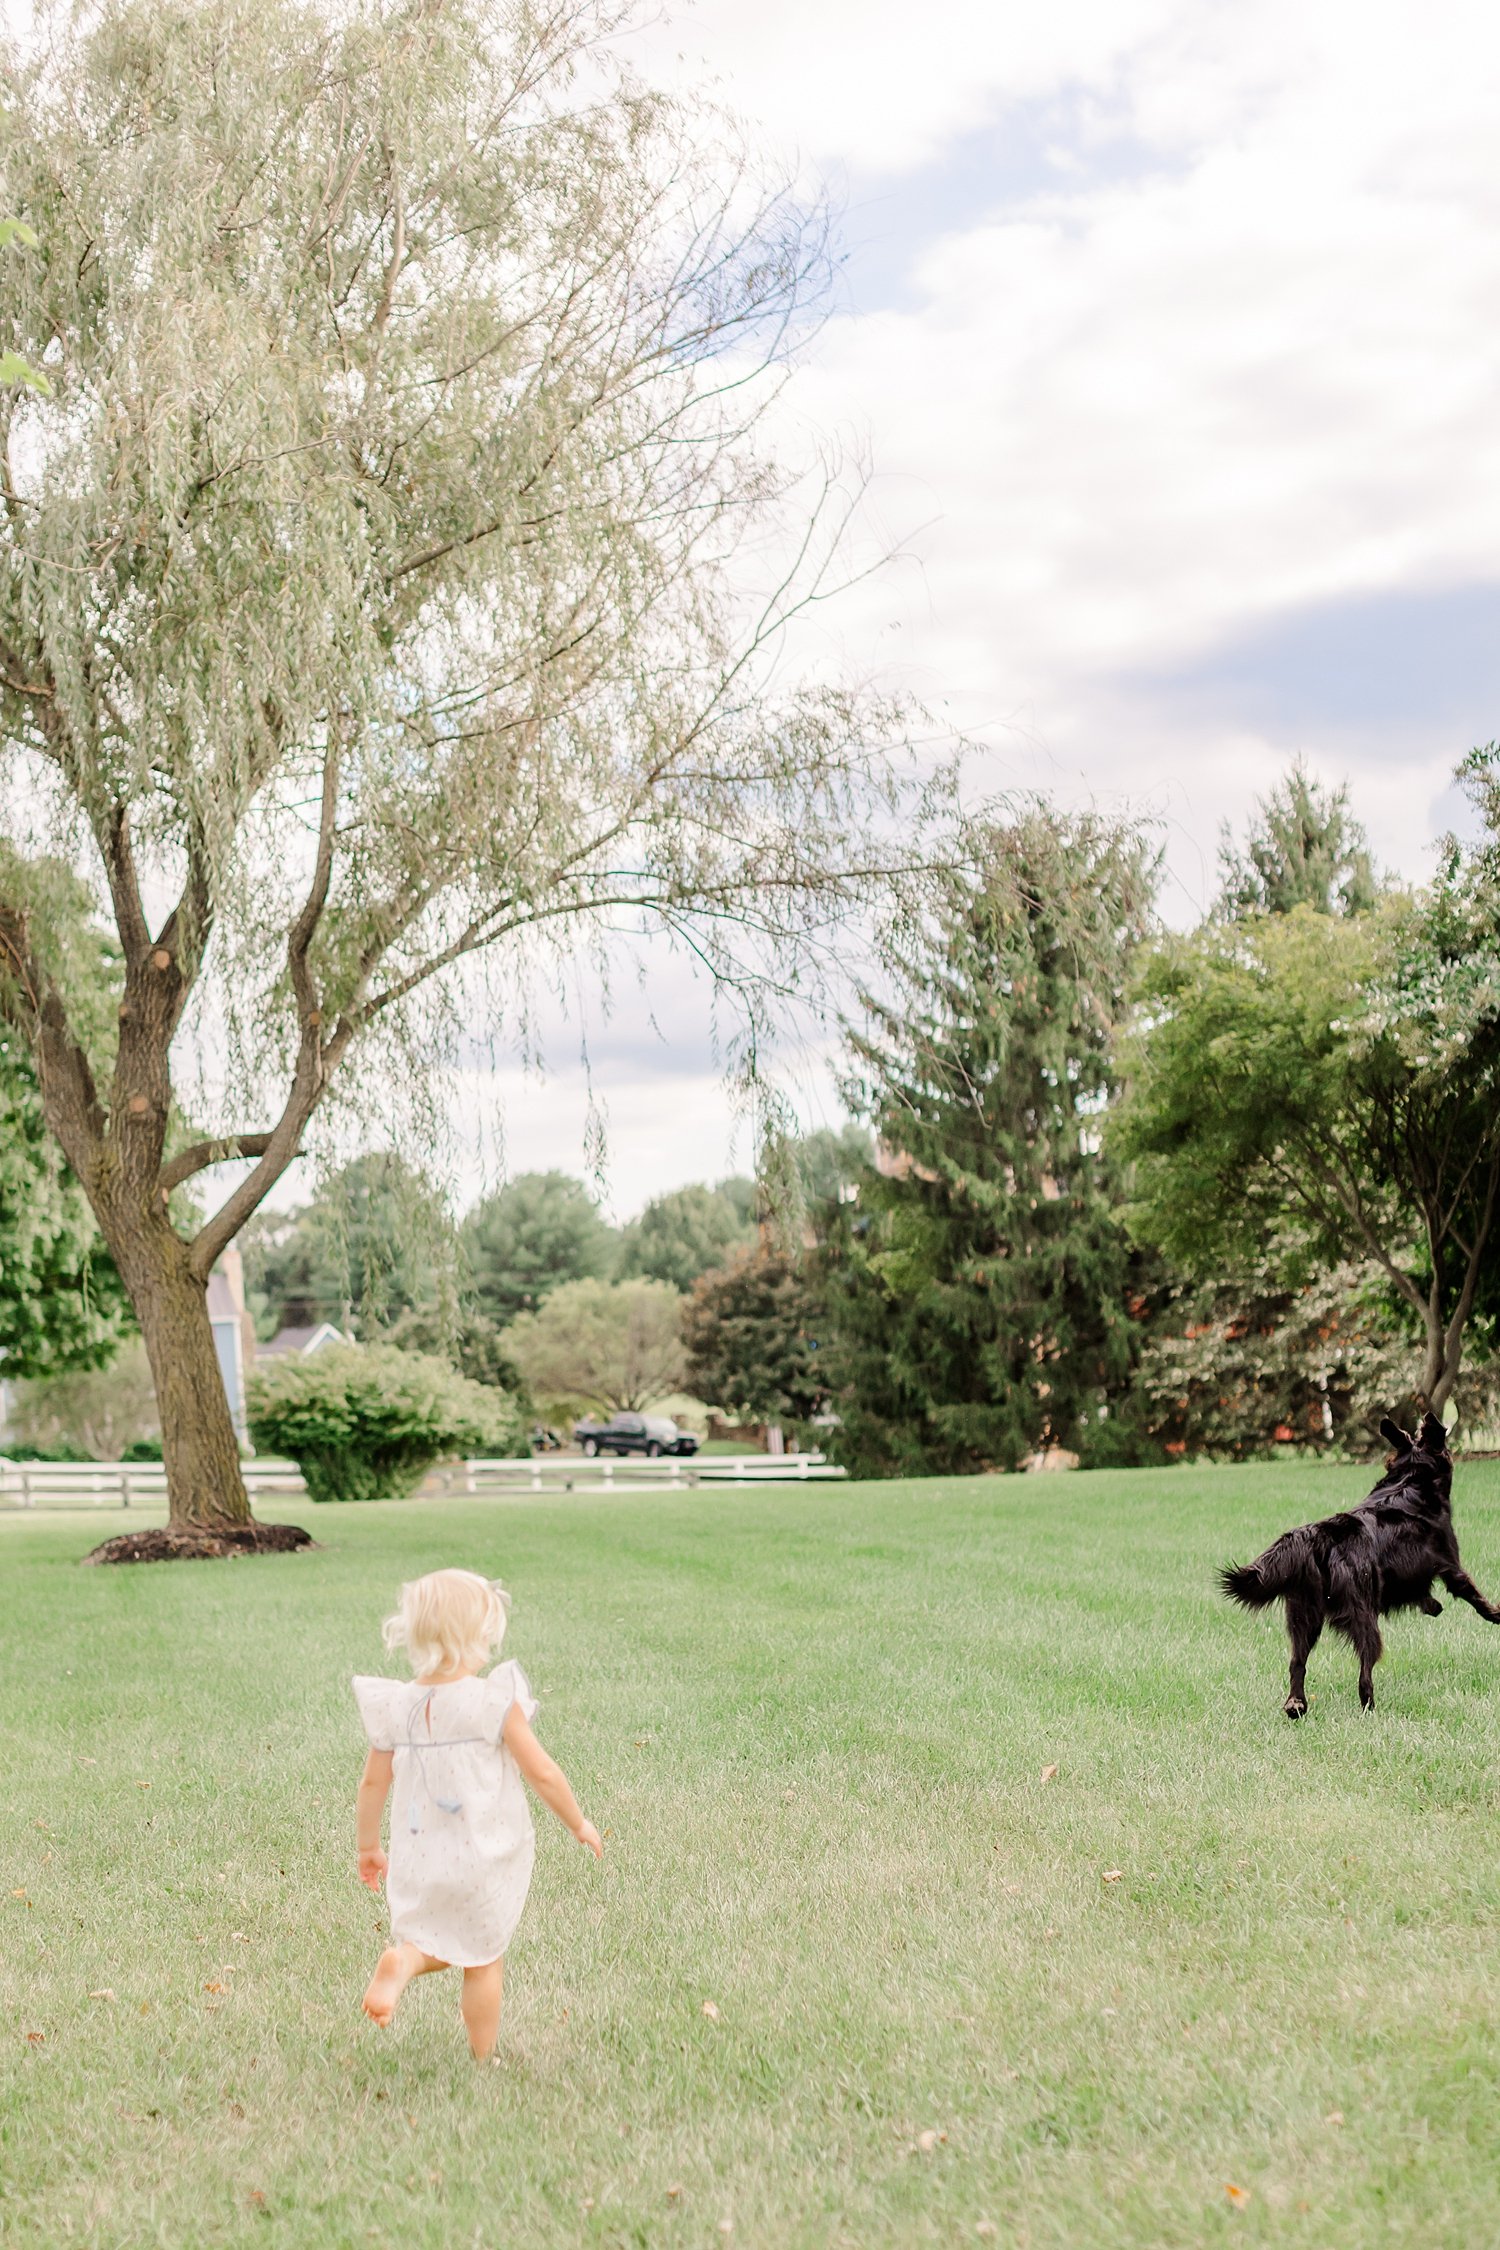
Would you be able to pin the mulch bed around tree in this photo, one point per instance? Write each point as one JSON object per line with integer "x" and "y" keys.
{"x": 171, "y": 1542}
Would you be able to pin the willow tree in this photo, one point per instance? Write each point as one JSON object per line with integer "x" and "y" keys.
{"x": 378, "y": 583}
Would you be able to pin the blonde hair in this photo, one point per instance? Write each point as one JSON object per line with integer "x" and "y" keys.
{"x": 448, "y": 1620}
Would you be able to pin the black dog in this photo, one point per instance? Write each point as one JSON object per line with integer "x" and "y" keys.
{"x": 1349, "y": 1570}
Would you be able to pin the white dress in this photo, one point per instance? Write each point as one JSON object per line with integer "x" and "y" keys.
{"x": 461, "y": 1841}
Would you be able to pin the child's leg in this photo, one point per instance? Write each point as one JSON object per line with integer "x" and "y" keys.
{"x": 393, "y": 1973}
{"x": 481, "y": 2006}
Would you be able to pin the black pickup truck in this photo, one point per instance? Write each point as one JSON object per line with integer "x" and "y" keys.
{"x": 651, "y": 1434}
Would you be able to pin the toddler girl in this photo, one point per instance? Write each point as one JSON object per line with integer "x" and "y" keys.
{"x": 457, "y": 1747}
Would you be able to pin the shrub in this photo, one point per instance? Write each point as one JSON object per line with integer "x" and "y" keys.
{"x": 367, "y": 1423}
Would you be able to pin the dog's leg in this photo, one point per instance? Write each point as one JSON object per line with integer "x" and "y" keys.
{"x": 1304, "y": 1622}
{"x": 1364, "y": 1632}
{"x": 1463, "y": 1589}
{"x": 1429, "y": 1607}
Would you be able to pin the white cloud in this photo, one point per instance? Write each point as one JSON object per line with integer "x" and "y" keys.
{"x": 1203, "y": 336}
{"x": 1254, "y": 373}
{"x": 875, "y": 85}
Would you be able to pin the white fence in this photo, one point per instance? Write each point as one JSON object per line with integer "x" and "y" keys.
{"x": 568, "y": 1472}
{"x": 128, "y": 1484}
{"x": 118, "y": 1484}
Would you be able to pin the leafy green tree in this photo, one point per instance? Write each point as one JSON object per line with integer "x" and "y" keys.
{"x": 1333, "y": 1086}
{"x": 752, "y": 1331}
{"x": 61, "y": 1305}
{"x": 62, "y": 1308}
{"x": 977, "y": 1292}
{"x": 101, "y": 1413}
{"x": 682, "y": 1235}
{"x": 1304, "y": 848}
{"x": 1243, "y": 1365}
{"x": 540, "y": 1230}
{"x": 602, "y": 1344}
{"x": 472, "y": 1344}
{"x": 375, "y": 578}
{"x": 367, "y": 1423}
{"x": 15, "y": 234}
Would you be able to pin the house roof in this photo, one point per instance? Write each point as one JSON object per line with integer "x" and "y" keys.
{"x": 303, "y": 1340}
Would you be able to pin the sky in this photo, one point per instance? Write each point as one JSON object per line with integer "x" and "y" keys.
{"x": 1172, "y": 330}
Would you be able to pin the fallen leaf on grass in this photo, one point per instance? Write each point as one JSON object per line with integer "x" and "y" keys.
{"x": 1114, "y": 1874}
{"x": 1334, "y": 2117}
{"x": 143, "y": 1785}
{"x": 674, "y": 2191}
{"x": 711, "y": 2011}
{"x": 214, "y": 1985}
{"x": 1049, "y": 1773}
{"x": 239, "y": 1937}
{"x": 103, "y": 1993}
{"x": 986, "y": 2229}
{"x": 929, "y": 2140}
{"x": 36, "y": 2038}
{"x": 1238, "y": 2196}
{"x": 258, "y": 2198}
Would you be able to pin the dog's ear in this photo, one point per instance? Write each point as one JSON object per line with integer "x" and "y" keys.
{"x": 1432, "y": 1436}
{"x": 1395, "y": 1436}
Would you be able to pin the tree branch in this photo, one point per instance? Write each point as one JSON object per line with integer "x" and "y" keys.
{"x": 203, "y": 1154}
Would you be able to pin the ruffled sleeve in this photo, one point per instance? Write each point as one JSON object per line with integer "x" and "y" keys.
{"x": 377, "y": 1700}
{"x": 507, "y": 1685}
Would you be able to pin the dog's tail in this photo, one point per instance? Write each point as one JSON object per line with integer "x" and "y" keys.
{"x": 1243, "y": 1583}
{"x": 1272, "y": 1576}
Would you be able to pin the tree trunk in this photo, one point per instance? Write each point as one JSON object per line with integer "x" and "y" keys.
{"x": 205, "y": 1489}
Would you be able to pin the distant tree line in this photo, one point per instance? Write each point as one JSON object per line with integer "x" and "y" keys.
{"x": 1110, "y": 1188}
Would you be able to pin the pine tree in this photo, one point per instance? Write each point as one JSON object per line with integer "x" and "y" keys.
{"x": 978, "y": 1291}
{"x": 1304, "y": 848}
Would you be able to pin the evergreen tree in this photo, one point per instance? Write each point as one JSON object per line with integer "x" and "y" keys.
{"x": 1304, "y": 848}
{"x": 540, "y": 1230}
{"x": 684, "y": 1234}
{"x": 978, "y": 1291}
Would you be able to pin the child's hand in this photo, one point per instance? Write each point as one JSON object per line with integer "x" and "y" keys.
{"x": 588, "y": 1834}
{"x": 372, "y": 1866}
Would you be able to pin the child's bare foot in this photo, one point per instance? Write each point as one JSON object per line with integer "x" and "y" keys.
{"x": 393, "y": 1973}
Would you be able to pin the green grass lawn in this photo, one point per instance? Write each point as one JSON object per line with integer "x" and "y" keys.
{"x": 815, "y": 1725}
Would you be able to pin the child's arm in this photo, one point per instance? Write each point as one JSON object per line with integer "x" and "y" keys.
{"x": 374, "y": 1787}
{"x": 547, "y": 1779}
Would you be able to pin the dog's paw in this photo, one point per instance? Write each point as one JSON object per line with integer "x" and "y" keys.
{"x": 1295, "y": 1707}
